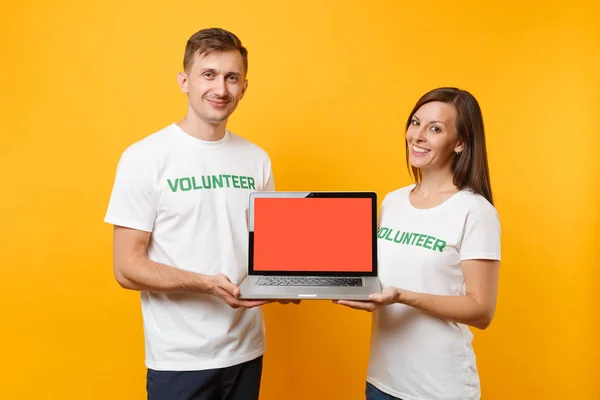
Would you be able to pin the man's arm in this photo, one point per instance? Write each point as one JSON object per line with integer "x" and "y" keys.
{"x": 134, "y": 270}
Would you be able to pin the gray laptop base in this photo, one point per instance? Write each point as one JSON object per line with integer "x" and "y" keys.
{"x": 251, "y": 290}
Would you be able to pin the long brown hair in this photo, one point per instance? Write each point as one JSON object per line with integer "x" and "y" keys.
{"x": 470, "y": 167}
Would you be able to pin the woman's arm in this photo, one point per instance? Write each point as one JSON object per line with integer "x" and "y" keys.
{"x": 475, "y": 308}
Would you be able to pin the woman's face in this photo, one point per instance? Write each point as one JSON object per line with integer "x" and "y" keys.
{"x": 432, "y": 138}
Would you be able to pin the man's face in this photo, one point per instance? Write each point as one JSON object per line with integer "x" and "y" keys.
{"x": 215, "y": 84}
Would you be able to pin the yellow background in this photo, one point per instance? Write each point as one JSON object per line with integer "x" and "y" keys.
{"x": 331, "y": 84}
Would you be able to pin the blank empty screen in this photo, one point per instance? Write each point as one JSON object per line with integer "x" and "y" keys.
{"x": 313, "y": 234}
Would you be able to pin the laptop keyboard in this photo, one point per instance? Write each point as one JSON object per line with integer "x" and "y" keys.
{"x": 301, "y": 281}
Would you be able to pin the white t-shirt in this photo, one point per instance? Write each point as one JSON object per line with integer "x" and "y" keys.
{"x": 193, "y": 196}
{"x": 414, "y": 355}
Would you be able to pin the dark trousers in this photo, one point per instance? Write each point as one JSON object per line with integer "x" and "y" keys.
{"x": 372, "y": 393}
{"x": 238, "y": 382}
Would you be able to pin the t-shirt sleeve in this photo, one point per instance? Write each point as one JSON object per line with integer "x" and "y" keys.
{"x": 132, "y": 202}
{"x": 481, "y": 238}
{"x": 269, "y": 185}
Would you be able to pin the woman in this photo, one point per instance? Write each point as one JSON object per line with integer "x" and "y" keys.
{"x": 439, "y": 253}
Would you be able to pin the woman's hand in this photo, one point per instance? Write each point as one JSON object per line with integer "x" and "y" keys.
{"x": 389, "y": 295}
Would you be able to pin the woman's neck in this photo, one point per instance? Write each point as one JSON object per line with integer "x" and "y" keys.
{"x": 437, "y": 182}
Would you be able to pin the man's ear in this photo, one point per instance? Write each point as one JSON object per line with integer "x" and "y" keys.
{"x": 182, "y": 79}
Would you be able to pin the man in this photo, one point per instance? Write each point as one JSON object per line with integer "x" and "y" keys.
{"x": 179, "y": 205}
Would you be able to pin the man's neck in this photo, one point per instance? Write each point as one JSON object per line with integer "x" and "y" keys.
{"x": 194, "y": 126}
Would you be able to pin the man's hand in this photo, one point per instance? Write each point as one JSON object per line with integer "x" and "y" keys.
{"x": 387, "y": 296}
{"x": 222, "y": 287}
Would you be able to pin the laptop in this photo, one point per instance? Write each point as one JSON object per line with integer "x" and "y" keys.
{"x": 312, "y": 245}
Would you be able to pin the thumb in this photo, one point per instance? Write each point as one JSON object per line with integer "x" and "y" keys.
{"x": 376, "y": 297}
{"x": 232, "y": 289}
{"x": 229, "y": 287}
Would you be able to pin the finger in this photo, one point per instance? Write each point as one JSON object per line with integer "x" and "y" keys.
{"x": 289, "y": 301}
{"x": 362, "y": 305}
{"x": 250, "y": 303}
{"x": 227, "y": 297}
{"x": 233, "y": 301}
{"x": 353, "y": 304}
